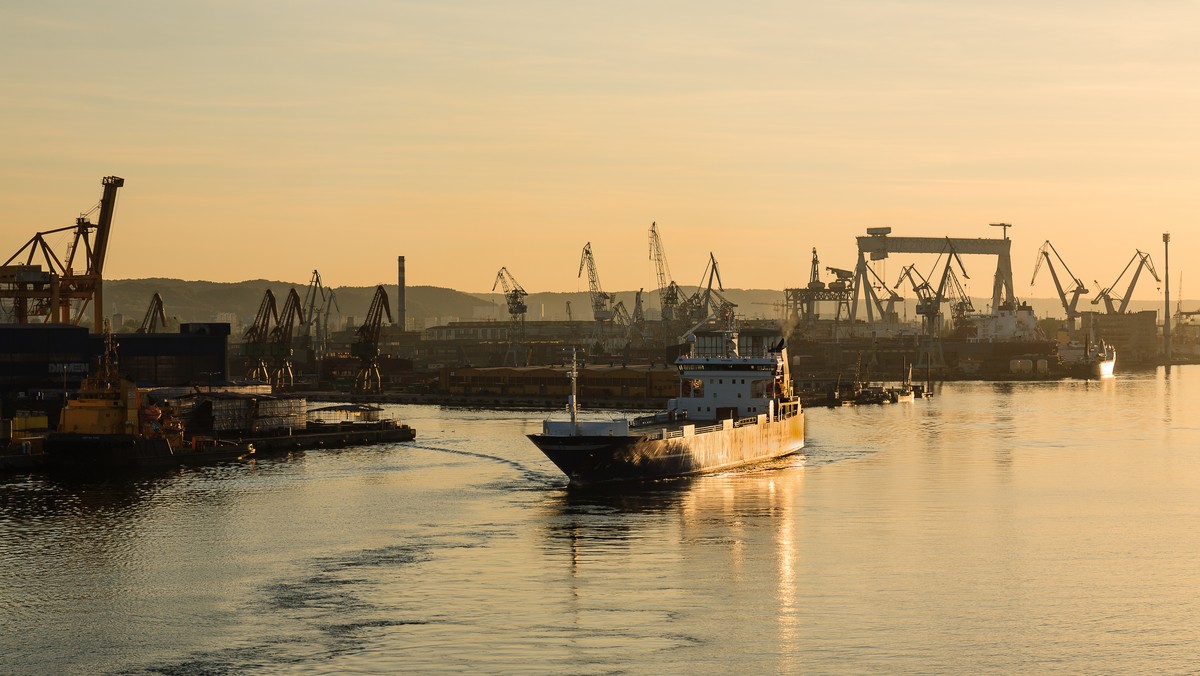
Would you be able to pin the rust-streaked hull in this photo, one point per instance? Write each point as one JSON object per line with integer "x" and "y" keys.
{"x": 594, "y": 459}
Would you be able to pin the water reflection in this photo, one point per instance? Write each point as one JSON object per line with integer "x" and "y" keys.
{"x": 721, "y": 547}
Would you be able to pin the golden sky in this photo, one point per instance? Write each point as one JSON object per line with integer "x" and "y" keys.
{"x": 266, "y": 139}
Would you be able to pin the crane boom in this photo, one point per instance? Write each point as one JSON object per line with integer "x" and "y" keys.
{"x": 155, "y": 316}
{"x": 514, "y": 293}
{"x": 1142, "y": 261}
{"x": 1069, "y": 306}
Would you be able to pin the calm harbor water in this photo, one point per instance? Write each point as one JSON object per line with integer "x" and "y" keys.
{"x": 998, "y": 527}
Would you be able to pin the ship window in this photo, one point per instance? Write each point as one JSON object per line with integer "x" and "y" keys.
{"x": 739, "y": 395}
{"x": 721, "y": 381}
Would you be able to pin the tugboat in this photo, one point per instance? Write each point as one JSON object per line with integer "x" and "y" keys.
{"x": 731, "y": 410}
{"x": 111, "y": 424}
{"x": 1092, "y": 359}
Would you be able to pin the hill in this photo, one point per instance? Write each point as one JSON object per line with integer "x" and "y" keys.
{"x": 200, "y": 301}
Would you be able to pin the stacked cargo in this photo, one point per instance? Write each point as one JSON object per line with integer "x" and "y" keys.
{"x": 275, "y": 414}
{"x": 224, "y": 413}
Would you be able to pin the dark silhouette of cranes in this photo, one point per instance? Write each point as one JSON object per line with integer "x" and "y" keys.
{"x": 366, "y": 346}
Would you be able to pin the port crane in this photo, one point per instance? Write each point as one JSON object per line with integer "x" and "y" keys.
{"x": 602, "y": 309}
{"x": 602, "y": 303}
{"x": 514, "y": 297}
{"x": 321, "y": 348}
{"x": 280, "y": 340}
{"x": 669, "y": 292}
{"x": 708, "y": 302}
{"x": 155, "y": 316}
{"x": 1077, "y": 288}
{"x": 961, "y": 304}
{"x": 814, "y": 273}
{"x": 1142, "y": 261}
{"x": 319, "y": 302}
{"x": 368, "y": 379}
{"x": 316, "y": 303}
{"x": 77, "y": 277}
{"x": 637, "y": 322}
{"x": 926, "y": 298}
{"x": 257, "y": 338}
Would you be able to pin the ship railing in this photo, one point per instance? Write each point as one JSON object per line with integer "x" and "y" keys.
{"x": 709, "y": 428}
{"x": 753, "y": 420}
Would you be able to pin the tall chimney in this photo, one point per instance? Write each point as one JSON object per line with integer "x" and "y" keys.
{"x": 1167, "y": 300}
{"x": 400, "y": 295}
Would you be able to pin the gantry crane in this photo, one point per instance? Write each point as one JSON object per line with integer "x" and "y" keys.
{"x": 514, "y": 297}
{"x": 257, "y": 348}
{"x": 366, "y": 347}
{"x": 49, "y": 293}
{"x": 1077, "y": 289}
{"x": 155, "y": 316}
{"x": 1142, "y": 260}
{"x": 283, "y": 376}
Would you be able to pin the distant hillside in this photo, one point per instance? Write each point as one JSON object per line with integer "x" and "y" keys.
{"x": 198, "y": 301}
{"x": 193, "y": 301}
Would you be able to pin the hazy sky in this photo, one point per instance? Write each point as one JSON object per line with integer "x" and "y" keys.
{"x": 265, "y": 139}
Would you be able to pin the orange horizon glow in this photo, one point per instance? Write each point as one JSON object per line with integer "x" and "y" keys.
{"x": 262, "y": 143}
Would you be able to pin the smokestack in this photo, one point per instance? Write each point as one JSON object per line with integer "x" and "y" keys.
{"x": 1167, "y": 299}
{"x": 400, "y": 295}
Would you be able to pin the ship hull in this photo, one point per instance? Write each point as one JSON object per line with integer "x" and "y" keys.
{"x": 70, "y": 451}
{"x": 597, "y": 459}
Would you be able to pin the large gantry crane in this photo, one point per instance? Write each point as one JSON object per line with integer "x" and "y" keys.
{"x": 514, "y": 298}
{"x": 368, "y": 379}
{"x": 1142, "y": 261}
{"x": 878, "y": 244}
{"x": 74, "y": 279}
{"x": 1077, "y": 289}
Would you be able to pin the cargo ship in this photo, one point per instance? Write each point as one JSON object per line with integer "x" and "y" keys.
{"x": 731, "y": 410}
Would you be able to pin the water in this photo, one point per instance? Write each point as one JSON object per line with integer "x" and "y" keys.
{"x": 999, "y": 527}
